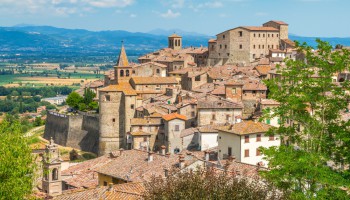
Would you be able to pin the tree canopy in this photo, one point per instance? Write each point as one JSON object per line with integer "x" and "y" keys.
{"x": 310, "y": 164}
{"x": 16, "y": 162}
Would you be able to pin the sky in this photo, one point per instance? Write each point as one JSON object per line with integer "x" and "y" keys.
{"x": 321, "y": 18}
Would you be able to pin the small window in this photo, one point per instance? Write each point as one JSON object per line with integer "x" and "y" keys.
{"x": 259, "y": 34}
{"x": 220, "y": 46}
{"x": 132, "y": 106}
{"x": 228, "y": 117}
{"x": 259, "y": 46}
{"x": 268, "y": 35}
{"x": 253, "y": 56}
{"x": 158, "y": 71}
{"x": 55, "y": 174}
{"x": 240, "y": 46}
{"x": 263, "y": 46}
{"x": 277, "y": 35}
{"x": 108, "y": 98}
{"x": 140, "y": 127}
{"x": 228, "y": 54}
{"x": 121, "y": 73}
{"x": 246, "y": 153}
{"x": 223, "y": 36}
{"x": 177, "y": 127}
{"x": 193, "y": 114}
{"x": 268, "y": 121}
{"x": 133, "y": 71}
{"x": 240, "y": 33}
{"x": 127, "y": 73}
{"x": 197, "y": 78}
{"x": 213, "y": 117}
{"x": 271, "y": 46}
{"x": 192, "y": 106}
{"x": 225, "y": 46}
{"x": 229, "y": 151}
{"x": 263, "y": 35}
{"x": 145, "y": 138}
{"x": 258, "y": 152}
{"x": 254, "y": 34}
{"x": 258, "y": 137}
{"x": 254, "y": 46}
{"x": 104, "y": 183}
{"x": 271, "y": 138}
{"x": 246, "y": 139}
{"x": 234, "y": 91}
{"x": 271, "y": 35}
{"x": 113, "y": 119}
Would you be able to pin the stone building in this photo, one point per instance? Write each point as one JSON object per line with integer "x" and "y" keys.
{"x": 194, "y": 78}
{"x": 173, "y": 125}
{"x": 52, "y": 181}
{"x": 175, "y": 42}
{"x": 243, "y": 45}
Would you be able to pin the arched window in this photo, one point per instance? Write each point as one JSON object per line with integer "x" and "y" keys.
{"x": 158, "y": 71}
{"x": 121, "y": 72}
{"x": 127, "y": 73}
{"x": 55, "y": 174}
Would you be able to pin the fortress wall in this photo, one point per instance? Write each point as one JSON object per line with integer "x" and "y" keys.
{"x": 76, "y": 131}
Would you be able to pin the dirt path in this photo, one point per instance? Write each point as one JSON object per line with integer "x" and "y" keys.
{"x": 32, "y": 131}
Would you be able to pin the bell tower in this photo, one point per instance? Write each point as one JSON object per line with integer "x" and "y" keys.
{"x": 175, "y": 42}
{"x": 52, "y": 181}
{"x": 121, "y": 69}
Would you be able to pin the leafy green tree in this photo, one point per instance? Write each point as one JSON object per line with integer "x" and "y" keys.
{"x": 89, "y": 95}
{"x": 310, "y": 164}
{"x": 16, "y": 162}
{"x": 38, "y": 121}
{"x": 74, "y": 99}
{"x": 93, "y": 105}
{"x": 82, "y": 107}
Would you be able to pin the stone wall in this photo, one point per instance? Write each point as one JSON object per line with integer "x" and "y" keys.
{"x": 77, "y": 131}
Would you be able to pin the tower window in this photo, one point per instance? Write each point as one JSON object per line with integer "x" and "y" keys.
{"x": 177, "y": 127}
{"x": 220, "y": 46}
{"x": 240, "y": 33}
{"x": 121, "y": 73}
{"x": 223, "y": 36}
{"x": 225, "y": 46}
{"x": 240, "y": 46}
{"x": 108, "y": 98}
{"x": 127, "y": 73}
{"x": 55, "y": 174}
{"x": 113, "y": 119}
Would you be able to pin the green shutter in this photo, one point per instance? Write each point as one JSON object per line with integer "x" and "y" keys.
{"x": 268, "y": 121}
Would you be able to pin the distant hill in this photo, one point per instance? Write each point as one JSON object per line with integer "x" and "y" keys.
{"x": 53, "y": 40}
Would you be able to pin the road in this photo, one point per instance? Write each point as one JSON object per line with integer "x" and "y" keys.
{"x": 32, "y": 131}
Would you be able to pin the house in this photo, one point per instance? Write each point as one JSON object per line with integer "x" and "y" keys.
{"x": 243, "y": 141}
{"x": 200, "y": 138}
{"x": 174, "y": 123}
{"x": 194, "y": 78}
{"x": 59, "y": 100}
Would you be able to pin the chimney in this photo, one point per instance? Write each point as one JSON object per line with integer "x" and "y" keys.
{"x": 182, "y": 161}
{"x": 163, "y": 150}
{"x": 150, "y": 156}
{"x": 206, "y": 155}
{"x": 110, "y": 186}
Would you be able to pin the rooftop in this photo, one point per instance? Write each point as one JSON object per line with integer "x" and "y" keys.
{"x": 246, "y": 127}
{"x": 172, "y": 116}
{"x": 153, "y": 80}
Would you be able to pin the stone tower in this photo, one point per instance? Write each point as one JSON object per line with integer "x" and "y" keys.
{"x": 122, "y": 69}
{"x": 52, "y": 182}
{"x": 175, "y": 42}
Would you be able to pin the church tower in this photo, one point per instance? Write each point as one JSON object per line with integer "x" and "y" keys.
{"x": 122, "y": 70}
{"x": 175, "y": 42}
{"x": 52, "y": 181}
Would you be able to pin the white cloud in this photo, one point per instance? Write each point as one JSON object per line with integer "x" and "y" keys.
{"x": 178, "y": 3}
{"x": 109, "y": 3}
{"x": 170, "y": 14}
{"x": 132, "y": 15}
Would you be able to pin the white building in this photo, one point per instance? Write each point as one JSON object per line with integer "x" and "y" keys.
{"x": 55, "y": 100}
{"x": 243, "y": 141}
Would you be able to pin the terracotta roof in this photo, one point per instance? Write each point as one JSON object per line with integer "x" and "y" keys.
{"x": 264, "y": 61}
{"x": 217, "y": 103}
{"x": 289, "y": 42}
{"x": 174, "y": 35}
{"x": 246, "y": 127}
{"x": 254, "y": 85}
{"x": 82, "y": 175}
{"x": 145, "y": 121}
{"x": 188, "y": 131}
{"x": 278, "y": 22}
{"x": 152, "y": 63}
{"x": 153, "y": 80}
{"x": 123, "y": 58}
{"x": 139, "y": 133}
{"x": 172, "y": 116}
{"x": 259, "y": 28}
{"x": 212, "y": 40}
{"x": 219, "y": 91}
{"x": 129, "y": 191}
{"x": 121, "y": 87}
{"x": 263, "y": 69}
{"x": 133, "y": 165}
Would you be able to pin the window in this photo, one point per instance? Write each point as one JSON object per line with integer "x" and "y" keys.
{"x": 259, "y": 46}
{"x": 133, "y": 71}
{"x": 223, "y": 36}
{"x": 234, "y": 89}
{"x": 113, "y": 120}
{"x": 193, "y": 114}
{"x": 213, "y": 117}
{"x": 258, "y": 152}
{"x": 177, "y": 127}
{"x": 263, "y": 35}
{"x": 254, "y": 34}
{"x": 253, "y": 56}
{"x": 268, "y": 35}
{"x": 145, "y": 138}
{"x": 271, "y": 35}
{"x": 108, "y": 98}
{"x": 121, "y": 73}
{"x": 225, "y": 46}
{"x": 268, "y": 46}
{"x": 228, "y": 117}
{"x": 240, "y": 33}
{"x": 104, "y": 183}
{"x": 158, "y": 71}
{"x": 140, "y": 127}
{"x": 228, "y": 54}
{"x": 277, "y": 35}
{"x": 55, "y": 174}
{"x": 240, "y": 46}
{"x": 246, "y": 139}
{"x": 229, "y": 151}
{"x": 271, "y": 46}
{"x": 271, "y": 138}
{"x": 263, "y": 46}
{"x": 220, "y": 46}
{"x": 132, "y": 106}
{"x": 246, "y": 153}
{"x": 192, "y": 106}
{"x": 197, "y": 78}
{"x": 127, "y": 73}
{"x": 268, "y": 121}
{"x": 258, "y": 137}
{"x": 254, "y": 46}
{"x": 259, "y": 34}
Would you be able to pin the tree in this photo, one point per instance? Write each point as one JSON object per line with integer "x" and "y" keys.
{"x": 206, "y": 184}
{"x": 89, "y": 95}
{"x": 74, "y": 99}
{"x": 316, "y": 139}
{"x": 16, "y": 162}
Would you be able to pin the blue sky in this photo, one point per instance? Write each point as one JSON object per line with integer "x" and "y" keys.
{"x": 323, "y": 18}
